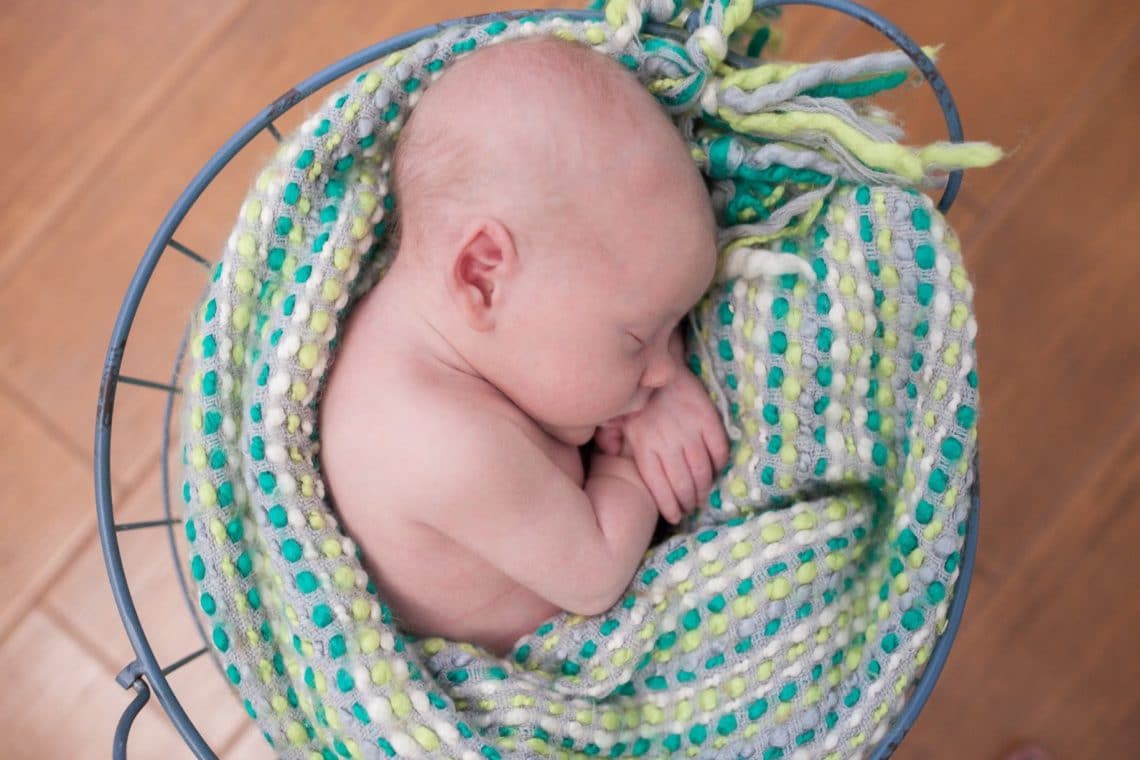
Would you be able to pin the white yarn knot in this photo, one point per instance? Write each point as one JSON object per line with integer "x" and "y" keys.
{"x": 622, "y": 37}
{"x": 633, "y": 20}
{"x": 714, "y": 39}
{"x": 754, "y": 263}
{"x": 708, "y": 98}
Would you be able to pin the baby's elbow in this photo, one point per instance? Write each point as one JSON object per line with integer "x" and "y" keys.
{"x": 589, "y": 607}
{"x": 596, "y": 593}
{"x": 592, "y": 606}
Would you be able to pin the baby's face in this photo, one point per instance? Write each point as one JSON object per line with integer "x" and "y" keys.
{"x": 596, "y": 341}
{"x": 608, "y": 215}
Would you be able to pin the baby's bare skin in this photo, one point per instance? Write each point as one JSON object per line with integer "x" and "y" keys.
{"x": 514, "y": 322}
{"x": 436, "y": 584}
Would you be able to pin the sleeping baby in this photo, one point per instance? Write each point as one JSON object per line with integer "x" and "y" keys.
{"x": 554, "y": 231}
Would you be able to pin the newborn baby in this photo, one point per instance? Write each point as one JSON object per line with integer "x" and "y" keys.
{"x": 553, "y": 233}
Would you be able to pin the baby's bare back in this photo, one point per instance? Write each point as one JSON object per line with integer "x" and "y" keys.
{"x": 374, "y": 448}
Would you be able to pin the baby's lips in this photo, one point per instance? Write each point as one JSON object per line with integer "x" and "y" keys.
{"x": 619, "y": 420}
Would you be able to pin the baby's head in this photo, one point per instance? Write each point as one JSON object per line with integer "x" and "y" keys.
{"x": 555, "y": 228}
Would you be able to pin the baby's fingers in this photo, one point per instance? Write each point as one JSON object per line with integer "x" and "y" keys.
{"x": 653, "y": 473}
{"x": 681, "y": 478}
{"x": 697, "y": 457}
{"x": 717, "y": 442}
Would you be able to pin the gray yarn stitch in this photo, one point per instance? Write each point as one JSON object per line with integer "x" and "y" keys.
{"x": 763, "y": 98}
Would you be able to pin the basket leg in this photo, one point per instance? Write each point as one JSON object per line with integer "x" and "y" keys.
{"x": 129, "y": 678}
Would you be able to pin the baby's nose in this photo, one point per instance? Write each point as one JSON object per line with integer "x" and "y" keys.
{"x": 660, "y": 370}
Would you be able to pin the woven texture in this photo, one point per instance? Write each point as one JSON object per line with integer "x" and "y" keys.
{"x": 791, "y": 613}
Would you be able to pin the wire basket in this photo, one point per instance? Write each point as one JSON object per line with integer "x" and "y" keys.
{"x": 145, "y": 674}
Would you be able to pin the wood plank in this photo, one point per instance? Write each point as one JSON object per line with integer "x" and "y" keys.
{"x": 82, "y": 593}
{"x": 808, "y": 33}
{"x": 63, "y": 703}
{"x": 1053, "y": 658}
{"x": 84, "y": 73}
{"x": 1059, "y": 355}
{"x": 53, "y": 356}
{"x": 45, "y": 505}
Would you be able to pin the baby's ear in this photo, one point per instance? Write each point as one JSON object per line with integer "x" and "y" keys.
{"x": 484, "y": 263}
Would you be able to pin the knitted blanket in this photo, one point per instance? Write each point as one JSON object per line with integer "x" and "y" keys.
{"x": 789, "y": 616}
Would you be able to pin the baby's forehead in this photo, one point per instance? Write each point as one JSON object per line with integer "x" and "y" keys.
{"x": 661, "y": 286}
{"x": 557, "y": 132}
{"x": 542, "y": 93}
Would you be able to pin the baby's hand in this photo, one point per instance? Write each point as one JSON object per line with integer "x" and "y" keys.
{"x": 678, "y": 443}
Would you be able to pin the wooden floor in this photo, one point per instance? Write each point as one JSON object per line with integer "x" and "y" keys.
{"x": 109, "y": 108}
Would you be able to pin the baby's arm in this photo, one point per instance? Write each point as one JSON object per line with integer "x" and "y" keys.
{"x": 496, "y": 492}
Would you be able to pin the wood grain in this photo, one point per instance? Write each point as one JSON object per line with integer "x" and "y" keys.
{"x": 45, "y": 509}
{"x": 80, "y": 77}
{"x": 62, "y": 703}
{"x": 1058, "y": 350}
{"x": 161, "y": 608}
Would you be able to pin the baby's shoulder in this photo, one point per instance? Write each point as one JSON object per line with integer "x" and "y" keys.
{"x": 411, "y": 425}
{"x": 437, "y": 414}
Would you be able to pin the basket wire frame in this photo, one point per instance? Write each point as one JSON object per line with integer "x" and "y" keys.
{"x": 145, "y": 675}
